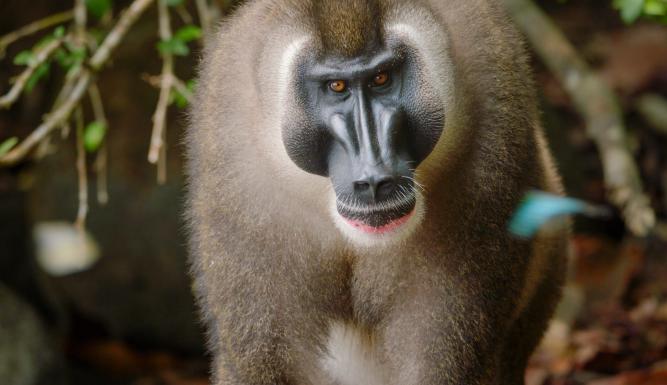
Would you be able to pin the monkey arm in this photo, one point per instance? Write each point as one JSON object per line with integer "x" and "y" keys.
{"x": 459, "y": 323}
{"x": 265, "y": 312}
{"x": 432, "y": 338}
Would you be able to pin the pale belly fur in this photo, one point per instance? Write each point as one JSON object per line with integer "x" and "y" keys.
{"x": 351, "y": 358}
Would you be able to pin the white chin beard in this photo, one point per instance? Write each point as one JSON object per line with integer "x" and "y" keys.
{"x": 363, "y": 239}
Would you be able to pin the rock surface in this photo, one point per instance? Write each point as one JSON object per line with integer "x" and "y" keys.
{"x": 25, "y": 349}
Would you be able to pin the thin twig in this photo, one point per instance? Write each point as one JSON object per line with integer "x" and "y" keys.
{"x": 183, "y": 89}
{"x": 63, "y": 111}
{"x": 653, "y": 108}
{"x": 152, "y": 80}
{"x": 96, "y": 102}
{"x": 596, "y": 102}
{"x": 162, "y": 160}
{"x": 184, "y": 14}
{"x": 80, "y": 18}
{"x": 216, "y": 9}
{"x": 102, "y": 154}
{"x": 157, "y": 147}
{"x": 178, "y": 84}
{"x": 126, "y": 20}
{"x": 102, "y": 170}
{"x": 54, "y": 119}
{"x": 82, "y": 173}
{"x": 204, "y": 11}
{"x": 70, "y": 80}
{"x": 33, "y": 27}
{"x": 40, "y": 58}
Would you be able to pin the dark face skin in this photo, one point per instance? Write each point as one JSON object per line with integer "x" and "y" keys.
{"x": 367, "y": 132}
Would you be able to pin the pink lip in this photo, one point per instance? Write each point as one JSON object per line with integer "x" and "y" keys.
{"x": 393, "y": 225}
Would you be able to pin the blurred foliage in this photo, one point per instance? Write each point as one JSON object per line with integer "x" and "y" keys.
{"x": 178, "y": 44}
{"x": 93, "y": 135}
{"x": 8, "y": 144}
{"x": 631, "y": 10}
{"x": 180, "y": 100}
{"x": 98, "y": 8}
{"x": 70, "y": 57}
{"x": 66, "y": 58}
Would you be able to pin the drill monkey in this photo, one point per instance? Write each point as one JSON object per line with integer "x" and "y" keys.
{"x": 352, "y": 166}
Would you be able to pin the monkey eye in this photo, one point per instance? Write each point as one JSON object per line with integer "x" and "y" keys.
{"x": 337, "y": 85}
{"x": 381, "y": 79}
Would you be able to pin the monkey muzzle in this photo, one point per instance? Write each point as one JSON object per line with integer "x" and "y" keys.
{"x": 371, "y": 167}
{"x": 378, "y": 205}
{"x": 381, "y": 220}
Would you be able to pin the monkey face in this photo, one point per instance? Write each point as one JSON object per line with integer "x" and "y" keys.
{"x": 370, "y": 123}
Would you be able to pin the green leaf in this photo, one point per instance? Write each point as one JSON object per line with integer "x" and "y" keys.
{"x": 40, "y": 72}
{"x": 71, "y": 57}
{"x": 630, "y": 9}
{"x": 8, "y": 145}
{"x": 93, "y": 136}
{"x": 98, "y": 8}
{"x": 59, "y": 32}
{"x": 62, "y": 57}
{"x": 655, "y": 7}
{"x": 27, "y": 57}
{"x": 78, "y": 54}
{"x": 178, "y": 98}
{"x": 43, "y": 42}
{"x": 188, "y": 33}
{"x": 173, "y": 46}
{"x": 173, "y": 3}
{"x": 24, "y": 58}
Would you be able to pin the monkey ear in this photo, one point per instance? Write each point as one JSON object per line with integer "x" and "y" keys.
{"x": 539, "y": 208}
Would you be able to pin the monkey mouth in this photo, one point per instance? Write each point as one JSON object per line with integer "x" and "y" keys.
{"x": 381, "y": 218}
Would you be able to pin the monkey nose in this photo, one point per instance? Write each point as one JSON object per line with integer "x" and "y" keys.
{"x": 375, "y": 188}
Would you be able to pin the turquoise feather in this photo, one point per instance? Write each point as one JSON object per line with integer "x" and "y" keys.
{"x": 538, "y": 208}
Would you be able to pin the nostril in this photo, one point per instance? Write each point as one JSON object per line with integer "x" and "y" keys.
{"x": 385, "y": 185}
{"x": 375, "y": 187}
{"x": 361, "y": 186}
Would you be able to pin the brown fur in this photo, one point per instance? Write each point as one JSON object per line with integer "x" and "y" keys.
{"x": 347, "y": 27}
{"x": 460, "y": 302}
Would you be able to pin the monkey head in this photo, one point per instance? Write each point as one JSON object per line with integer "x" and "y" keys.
{"x": 368, "y": 121}
{"x": 367, "y": 107}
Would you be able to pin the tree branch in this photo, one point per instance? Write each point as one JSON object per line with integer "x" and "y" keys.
{"x": 41, "y": 57}
{"x": 80, "y": 19}
{"x": 64, "y": 110}
{"x": 101, "y": 162}
{"x": 70, "y": 80}
{"x": 81, "y": 172}
{"x": 127, "y": 19}
{"x": 156, "y": 152}
{"x": 596, "y": 102}
{"x": 54, "y": 119}
{"x": 204, "y": 11}
{"x": 33, "y": 27}
{"x": 183, "y": 89}
{"x": 653, "y": 109}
